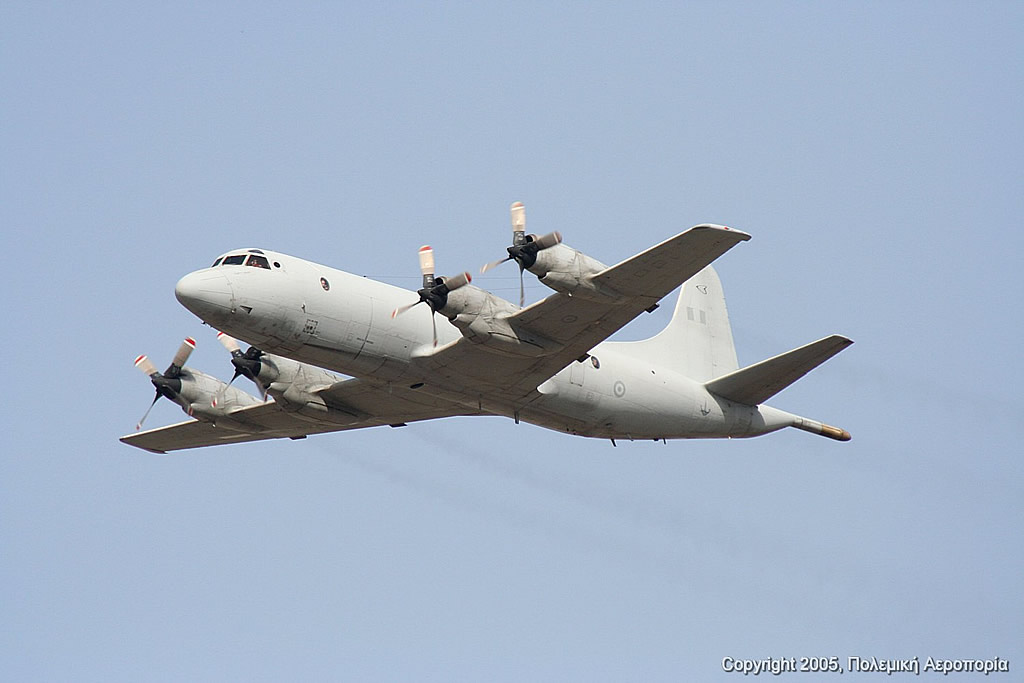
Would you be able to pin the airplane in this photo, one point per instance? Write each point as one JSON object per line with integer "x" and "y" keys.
{"x": 548, "y": 364}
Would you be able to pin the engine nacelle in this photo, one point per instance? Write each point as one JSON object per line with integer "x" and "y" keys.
{"x": 569, "y": 270}
{"x": 483, "y": 318}
{"x": 295, "y": 387}
{"x": 209, "y": 399}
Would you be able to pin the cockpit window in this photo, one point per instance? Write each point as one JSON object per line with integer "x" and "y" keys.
{"x": 250, "y": 259}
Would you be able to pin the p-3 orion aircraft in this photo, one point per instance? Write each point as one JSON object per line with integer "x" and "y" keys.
{"x": 547, "y": 364}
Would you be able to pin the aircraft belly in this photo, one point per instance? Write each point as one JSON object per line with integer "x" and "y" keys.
{"x": 716, "y": 416}
{"x": 621, "y": 402}
{"x": 581, "y": 411}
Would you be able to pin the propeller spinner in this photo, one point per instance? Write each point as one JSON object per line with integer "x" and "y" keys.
{"x": 246, "y": 364}
{"x": 434, "y": 292}
{"x": 524, "y": 247}
{"x": 168, "y": 383}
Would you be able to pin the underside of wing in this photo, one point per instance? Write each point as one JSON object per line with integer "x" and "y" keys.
{"x": 640, "y": 282}
{"x": 576, "y": 324}
{"x": 357, "y": 405}
{"x": 195, "y": 434}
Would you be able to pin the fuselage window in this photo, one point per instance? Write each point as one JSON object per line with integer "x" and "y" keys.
{"x": 258, "y": 261}
{"x": 215, "y": 263}
{"x": 325, "y": 284}
{"x": 236, "y": 260}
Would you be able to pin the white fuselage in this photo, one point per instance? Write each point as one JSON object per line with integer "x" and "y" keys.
{"x": 326, "y": 317}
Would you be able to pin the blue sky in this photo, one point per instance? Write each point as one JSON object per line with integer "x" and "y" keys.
{"x": 872, "y": 150}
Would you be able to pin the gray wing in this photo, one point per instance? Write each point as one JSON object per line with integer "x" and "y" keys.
{"x": 577, "y": 324}
{"x": 357, "y": 404}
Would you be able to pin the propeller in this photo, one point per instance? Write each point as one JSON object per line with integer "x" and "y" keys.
{"x": 167, "y": 384}
{"x": 524, "y": 247}
{"x": 246, "y": 364}
{"x": 434, "y": 292}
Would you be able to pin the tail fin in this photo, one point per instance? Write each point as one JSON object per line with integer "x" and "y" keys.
{"x": 698, "y": 341}
{"x": 757, "y": 383}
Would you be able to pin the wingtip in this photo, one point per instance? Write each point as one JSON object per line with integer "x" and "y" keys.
{"x": 127, "y": 440}
{"x": 738, "y": 234}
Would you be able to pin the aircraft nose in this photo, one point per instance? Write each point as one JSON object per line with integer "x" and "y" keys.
{"x": 207, "y": 294}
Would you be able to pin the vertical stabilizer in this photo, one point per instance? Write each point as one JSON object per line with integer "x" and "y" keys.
{"x": 698, "y": 341}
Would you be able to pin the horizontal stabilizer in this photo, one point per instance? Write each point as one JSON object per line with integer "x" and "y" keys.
{"x": 757, "y": 383}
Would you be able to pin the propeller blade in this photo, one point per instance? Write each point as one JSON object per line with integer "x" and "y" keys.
{"x": 548, "y": 240}
{"x": 146, "y": 414}
{"x": 255, "y": 379}
{"x": 259, "y": 385}
{"x": 494, "y": 264}
{"x": 524, "y": 247}
{"x": 243, "y": 363}
{"x": 427, "y": 265}
{"x": 229, "y": 343}
{"x": 434, "y": 292}
{"x": 146, "y": 365}
{"x": 522, "y": 289}
{"x": 427, "y": 259}
{"x": 460, "y": 280}
{"x": 169, "y": 383}
{"x": 518, "y": 214}
{"x": 181, "y": 357}
{"x": 241, "y": 371}
{"x": 249, "y": 366}
{"x": 402, "y": 309}
{"x": 184, "y": 351}
{"x": 218, "y": 397}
